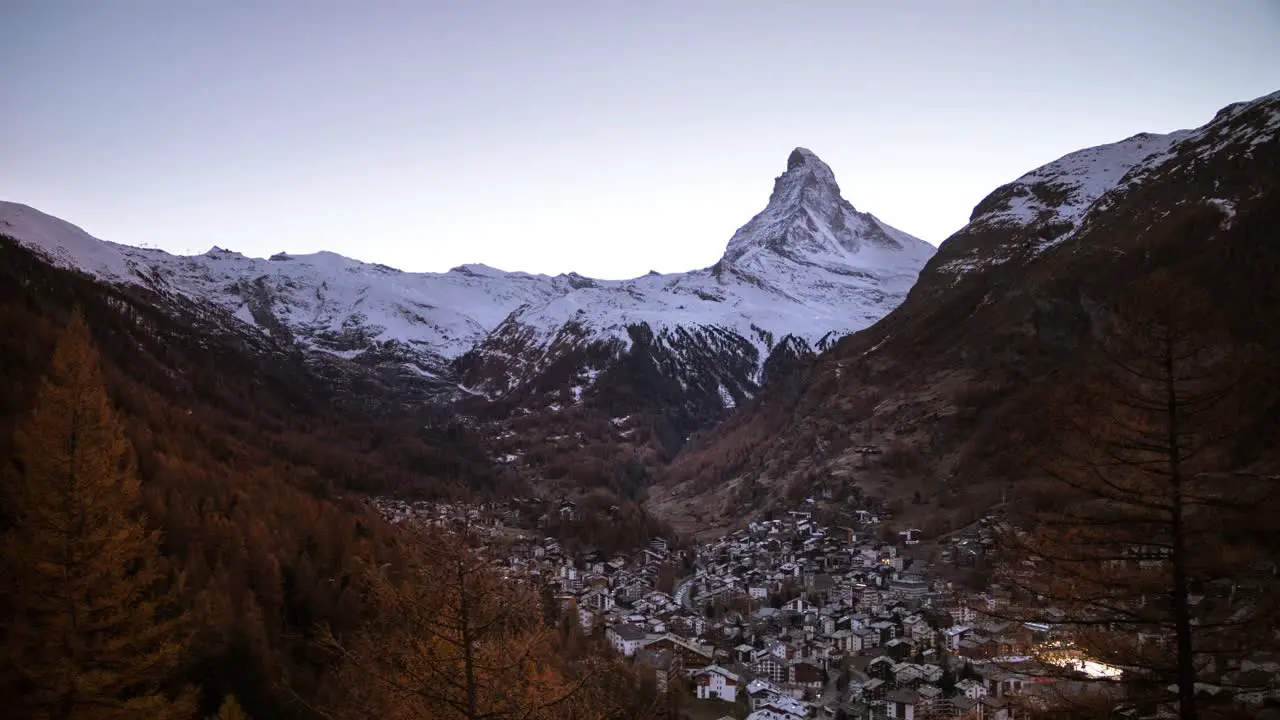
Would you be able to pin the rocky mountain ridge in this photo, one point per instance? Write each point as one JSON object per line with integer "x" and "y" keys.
{"x": 935, "y": 397}
{"x": 805, "y": 271}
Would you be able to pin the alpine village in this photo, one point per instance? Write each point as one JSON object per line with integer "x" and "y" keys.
{"x": 841, "y": 473}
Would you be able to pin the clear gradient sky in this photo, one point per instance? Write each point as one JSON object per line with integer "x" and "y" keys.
{"x": 609, "y": 138}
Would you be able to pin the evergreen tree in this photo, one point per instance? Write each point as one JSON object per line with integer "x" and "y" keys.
{"x": 92, "y": 632}
{"x": 948, "y": 682}
{"x": 1144, "y": 509}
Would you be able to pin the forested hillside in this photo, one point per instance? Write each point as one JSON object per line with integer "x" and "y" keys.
{"x": 252, "y": 479}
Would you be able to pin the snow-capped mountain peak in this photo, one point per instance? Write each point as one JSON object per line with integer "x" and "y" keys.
{"x": 805, "y": 166}
{"x": 808, "y": 267}
{"x": 808, "y": 222}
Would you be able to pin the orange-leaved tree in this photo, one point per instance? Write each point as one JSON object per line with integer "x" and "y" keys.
{"x": 91, "y": 627}
{"x": 453, "y": 638}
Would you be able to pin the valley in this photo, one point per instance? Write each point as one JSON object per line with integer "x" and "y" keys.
{"x": 677, "y": 388}
{"x": 803, "y": 481}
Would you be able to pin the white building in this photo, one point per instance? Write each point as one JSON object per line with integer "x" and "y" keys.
{"x": 715, "y": 683}
{"x": 625, "y": 638}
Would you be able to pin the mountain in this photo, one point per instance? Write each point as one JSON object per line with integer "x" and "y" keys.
{"x": 666, "y": 355}
{"x": 671, "y": 352}
{"x": 937, "y": 396}
{"x": 254, "y": 466}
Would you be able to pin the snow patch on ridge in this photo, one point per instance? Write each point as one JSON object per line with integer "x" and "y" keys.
{"x": 1064, "y": 190}
{"x": 1054, "y": 201}
{"x": 67, "y": 245}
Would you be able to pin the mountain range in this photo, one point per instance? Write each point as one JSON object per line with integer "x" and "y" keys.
{"x": 824, "y": 350}
{"x": 806, "y": 270}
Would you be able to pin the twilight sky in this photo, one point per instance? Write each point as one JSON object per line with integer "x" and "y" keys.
{"x": 606, "y": 138}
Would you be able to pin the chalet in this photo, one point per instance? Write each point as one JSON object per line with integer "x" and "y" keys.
{"x": 806, "y": 675}
{"x": 1027, "y": 635}
{"x": 917, "y": 628}
{"x": 881, "y": 667}
{"x": 780, "y": 708}
{"x": 798, "y": 605}
{"x": 994, "y": 709}
{"x": 884, "y": 630}
{"x": 959, "y": 706}
{"x": 626, "y": 638}
{"x": 846, "y": 641}
{"x": 979, "y": 647}
{"x": 692, "y": 655}
{"x": 596, "y": 599}
{"x": 962, "y": 613}
{"x": 901, "y": 704}
{"x": 772, "y": 667}
{"x": 971, "y": 689}
{"x": 663, "y": 665}
{"x": 761, "y": 693}
{"x": 906, "y": 675}
{"x": 898, "y": 648}
{"x": 716, "y": 683}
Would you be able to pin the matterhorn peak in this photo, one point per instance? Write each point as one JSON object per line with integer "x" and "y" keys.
{"x": 807, "y": 183}
{"x": 806, "y": 169}
{"x": 809, "y": 223}
{"x": 804, "y": 157}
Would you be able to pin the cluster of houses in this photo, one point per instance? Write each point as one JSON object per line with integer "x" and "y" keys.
{"x": 788, "y": 619}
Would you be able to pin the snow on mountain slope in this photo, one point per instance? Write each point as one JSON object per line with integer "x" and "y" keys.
{"x": 1055, "y": 201}
{"x": 1056, "y": 197}
{"x": 1238, "y": 129}
{"x": 342, "y": 305}
{"x": 808, "y": 265}
{"x": 325, "y": 301}
{"x": 66, "y": 245}
{"x": 1077, "y": 180}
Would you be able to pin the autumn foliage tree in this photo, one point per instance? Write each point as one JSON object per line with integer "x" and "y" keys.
{"x": 1151, "y": 548}
{"x": 254, "y": 467}
{"x": 453, "y": 639}
{"x": 91, "y": 627}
